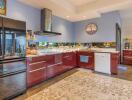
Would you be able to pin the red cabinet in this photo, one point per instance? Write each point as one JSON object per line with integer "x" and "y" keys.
{"x": 114, "y": 62}
{"x": 55, "y": 68}
{"x": 85, "y": 59}
{"x": 127, "y": 57}
{"x": 36, "y": 72}
{"x": 69, "y": 60}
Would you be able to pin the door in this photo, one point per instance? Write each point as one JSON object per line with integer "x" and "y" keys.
{"x": 10, "y": 67}
{"x": 14, "y": 38}
{"x": 15, "y": 44}
{"x": 12, "y": 86}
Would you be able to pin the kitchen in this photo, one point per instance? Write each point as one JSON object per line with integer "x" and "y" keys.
{"x": 57, "y": 46}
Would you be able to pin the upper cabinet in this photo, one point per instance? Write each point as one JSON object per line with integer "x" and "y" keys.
{"x": 14, "y": 24}
{"x": 0, "y": 22}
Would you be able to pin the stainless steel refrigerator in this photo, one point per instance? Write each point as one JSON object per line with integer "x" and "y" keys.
{"x": 12, "y": 58}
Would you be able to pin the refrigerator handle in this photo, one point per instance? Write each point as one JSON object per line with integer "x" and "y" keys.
{"x": 2, "y": 43}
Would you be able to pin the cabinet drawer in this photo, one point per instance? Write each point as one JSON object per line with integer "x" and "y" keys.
{"x": 36, "y": 65}
{"x": 127, "y": 53}
{"x": 36, "y": 76}
{"x": 53, "y": 70}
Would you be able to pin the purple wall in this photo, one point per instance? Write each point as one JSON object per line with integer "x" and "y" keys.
{"x": 106, "y": 28}
{"x": 71, "y": 32}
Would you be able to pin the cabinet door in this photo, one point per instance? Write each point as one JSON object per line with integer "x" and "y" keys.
{"x": 50, "y": 71}
{"x": 114, "y": 63}
{"x": 53, "y": 70}
{"x": 36, "y": 73}
{"x": 14, "y": 24}
{"x": 127, "y": 57}
{"x": 69, "y": 60}
{"x": 0, "y": 22}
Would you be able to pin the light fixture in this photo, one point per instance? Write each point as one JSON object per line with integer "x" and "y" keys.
{"x": 67, "y": 16}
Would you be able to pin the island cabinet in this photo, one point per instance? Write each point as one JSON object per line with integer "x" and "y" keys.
{"x": 36, "y": 71}
{"x": 69, "y": 60}
{"x": 127, "y": 57}
{"x": 85, "y": 59}
{"x": 114, "y": 62}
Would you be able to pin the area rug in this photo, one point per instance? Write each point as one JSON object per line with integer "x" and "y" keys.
{"x": 86, "y": 85}
{"x": 122, "y": 68}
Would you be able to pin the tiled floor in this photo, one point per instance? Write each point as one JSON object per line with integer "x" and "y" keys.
{"x": 83, "y": 85}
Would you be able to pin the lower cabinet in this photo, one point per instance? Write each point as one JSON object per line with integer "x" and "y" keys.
{"x": 85, "y": 59}
{"x": 36, "y": 73}
{"x": 45, "y": 67}
{"x": 127, "y": 57}
{"x": 115, "y": 57}
{"x": 69, "y": 60}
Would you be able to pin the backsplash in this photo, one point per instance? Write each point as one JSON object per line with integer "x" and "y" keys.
{"x": 73, "y": 45}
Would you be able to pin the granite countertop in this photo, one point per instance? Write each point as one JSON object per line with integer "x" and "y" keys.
{"x": 43, "y": 54}
{"x": 128, "y": 49}
{"x": 98, "y": 50}
{"x": 48, "y": 53}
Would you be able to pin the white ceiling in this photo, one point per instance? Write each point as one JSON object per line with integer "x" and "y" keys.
{"x": 80, "y": 2}
{"x": 76, "y": 10}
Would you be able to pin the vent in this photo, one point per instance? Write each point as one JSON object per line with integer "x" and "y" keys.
{"x": 46, "y": 23}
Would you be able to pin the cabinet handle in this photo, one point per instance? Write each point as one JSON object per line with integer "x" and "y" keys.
{"x": 37, "y": 63}
{"x": 54, "y": 64}
{"x": 37, "y": 69}
{"x": 66, "y": 57}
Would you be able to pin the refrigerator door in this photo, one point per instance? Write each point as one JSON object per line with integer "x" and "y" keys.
{"x": 15, "y": 44}
{"x": 12, "y": 86}
{"x": 14, "y": 39}
{"x": 9, "y": 67}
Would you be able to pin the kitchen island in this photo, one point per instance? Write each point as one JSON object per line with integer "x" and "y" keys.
{"x": 47, "y": 65}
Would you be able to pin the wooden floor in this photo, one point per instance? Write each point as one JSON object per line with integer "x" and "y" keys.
{"x": 126, "y": 75}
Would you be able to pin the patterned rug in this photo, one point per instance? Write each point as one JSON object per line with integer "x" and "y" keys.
{"x": 85, "y": 85}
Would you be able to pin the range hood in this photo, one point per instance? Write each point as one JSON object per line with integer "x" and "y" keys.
{"x": 46, "y": 23}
